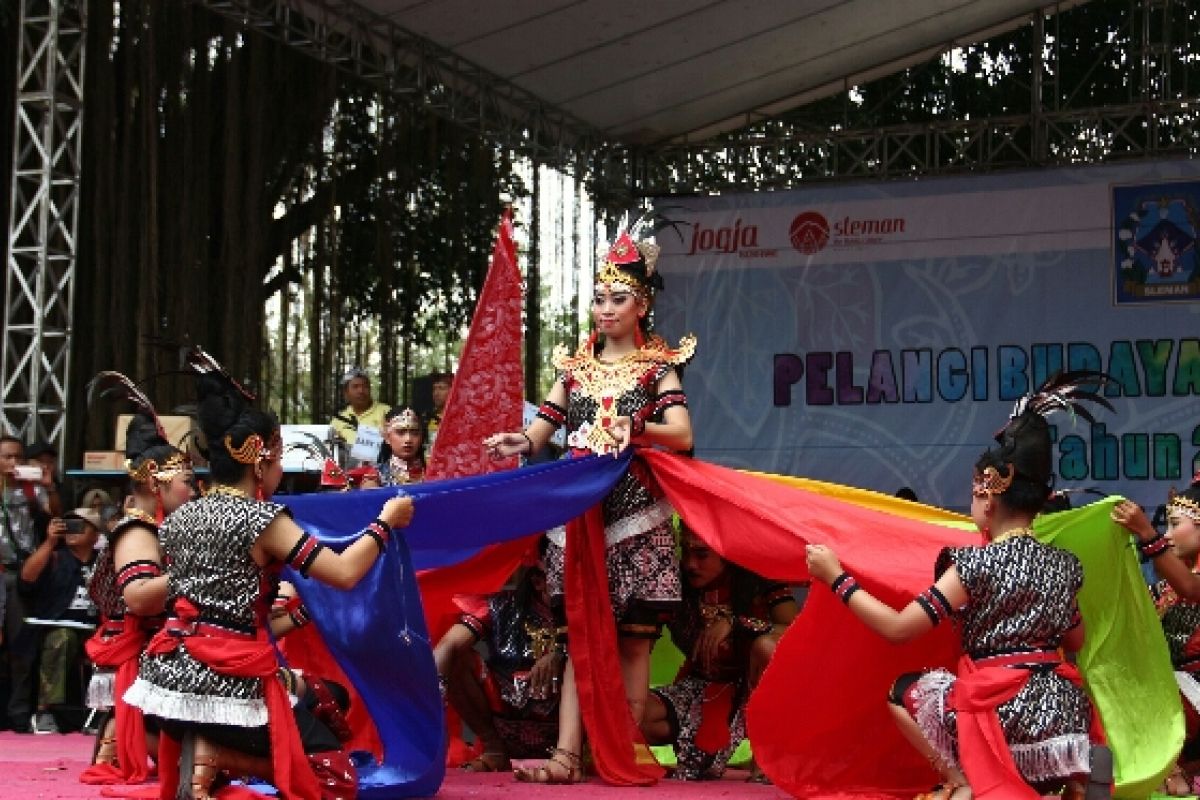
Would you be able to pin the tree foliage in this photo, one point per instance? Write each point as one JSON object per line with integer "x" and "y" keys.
{"x": 222, "y": 168}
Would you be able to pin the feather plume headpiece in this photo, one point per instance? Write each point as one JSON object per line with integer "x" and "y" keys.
{"x": 331, "y": 474}
{"x": 201, "y": 363}
{"x": 632, "y": 258}
{"x": 1064, "y": 391}
{"x": 1025, "y": 439}
{"x": 110, "y": 383}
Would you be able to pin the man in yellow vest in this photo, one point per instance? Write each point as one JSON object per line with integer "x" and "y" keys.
{"x": 361, "y": 408}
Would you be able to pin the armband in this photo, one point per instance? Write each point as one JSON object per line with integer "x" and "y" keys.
{"x": 935, "y": 604}
{"x": 304, "y": 553}
{"x": 137, "y": 571}
{"x": 1155, "y": 546}
{"x": 380, "y": 532}
{"x": 553, "y": 413}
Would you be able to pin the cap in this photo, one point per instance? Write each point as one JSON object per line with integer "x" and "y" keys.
{"x": 40, "y": 449}
{"x": 352, "y": 373}
{"x": 88, "y": 515}
{"x": 91, "y": 495}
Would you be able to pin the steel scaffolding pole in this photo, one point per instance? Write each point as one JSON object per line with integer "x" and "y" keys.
{"x": 41, "y": 247}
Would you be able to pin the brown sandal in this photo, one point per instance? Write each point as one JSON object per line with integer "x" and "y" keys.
{"x": 488, "y": 761}
{"x": 106, "y": 751}
{"x": 544, "y": 772}
{"x": 944, "y": 791}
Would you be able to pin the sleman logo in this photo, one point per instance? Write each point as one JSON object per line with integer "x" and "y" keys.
{"x": 809, "y": 232}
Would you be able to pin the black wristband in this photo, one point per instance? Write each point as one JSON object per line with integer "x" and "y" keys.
{"x": 844, "y": 586}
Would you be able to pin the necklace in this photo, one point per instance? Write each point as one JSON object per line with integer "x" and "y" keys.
{"x": 140, "y": 516}
{"x": 1012, "y": 533}
{"x": 232, "y": 491}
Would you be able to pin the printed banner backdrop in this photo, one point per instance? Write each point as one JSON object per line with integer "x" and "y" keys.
{"x": 878, "y": 335}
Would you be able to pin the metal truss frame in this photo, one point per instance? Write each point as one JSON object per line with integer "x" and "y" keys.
{"x": 1088, "y": 136}
{"x": 377, "y": 50}
{"x": 1159, "y": 118}
{"x": 41, "y": 248}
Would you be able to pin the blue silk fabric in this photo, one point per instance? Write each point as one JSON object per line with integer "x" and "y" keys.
{"x": 376, "y": 631}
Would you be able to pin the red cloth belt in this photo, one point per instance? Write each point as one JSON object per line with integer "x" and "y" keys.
{"x": 982, "y": 687}
{"x": 178, "y": 627}
{"x": 228, "y": 652}
{"x": 117, "y": 645}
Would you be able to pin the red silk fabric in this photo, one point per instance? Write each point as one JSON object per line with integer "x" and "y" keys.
{"x": 304, "y": 649}
{"x": 244, "y": 658}
{"x": 983, "y": 750}
{"x": 120, "y": 652}
{"x": 620, "y": 752}
{"x": 486, "y": 395}
{"x": 819, "y": 718}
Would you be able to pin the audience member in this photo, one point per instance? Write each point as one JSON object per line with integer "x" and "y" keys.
{"x": 727, "y": 627}
{"x": 54, "y": 580}
{"x": 97, "y": 500}
{"x": 441, "y": 382}
{"x": 361, "y": 408}
{"x": 24, "y": 513}
{"x": 45, "y": 456}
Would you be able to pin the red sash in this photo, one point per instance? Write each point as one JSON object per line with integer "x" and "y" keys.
{"x": 228, "y": 653}
{"x": 981, "y": 688}
{"x": 621, "y": 755}
{"x": 120, "y": 652}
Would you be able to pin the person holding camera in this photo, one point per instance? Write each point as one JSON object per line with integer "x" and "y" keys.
{"x": 54, "y": 579}
{"x": 25, "y": 509}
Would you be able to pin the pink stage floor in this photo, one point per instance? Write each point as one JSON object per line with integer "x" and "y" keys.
{"x": 47, "y": 767}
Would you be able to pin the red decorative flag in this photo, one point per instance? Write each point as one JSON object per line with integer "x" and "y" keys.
{"x": 485, "y": 398}
{"x": 486, "y": 394}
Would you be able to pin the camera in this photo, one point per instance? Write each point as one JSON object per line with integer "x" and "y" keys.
{"x": 74, "y": 525}
{"x": 25, "y": 472}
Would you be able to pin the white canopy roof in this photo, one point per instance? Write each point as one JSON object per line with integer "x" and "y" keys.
{"x": 646, "y": 71}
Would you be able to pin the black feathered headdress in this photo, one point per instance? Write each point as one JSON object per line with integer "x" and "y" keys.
{"x": 1024, "y": 450}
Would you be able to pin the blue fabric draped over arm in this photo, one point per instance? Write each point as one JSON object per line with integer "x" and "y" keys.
{"x": 376, "y": 631}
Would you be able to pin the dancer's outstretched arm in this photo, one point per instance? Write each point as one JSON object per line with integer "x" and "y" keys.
{"x": 916, "y": 618}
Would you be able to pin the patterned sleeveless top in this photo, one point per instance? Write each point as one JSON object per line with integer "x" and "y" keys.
{"x": 206, "y": 546}
{"x": 103, "y": 588}
{"x": 1022, "y": 594}
{"x": 1181, "y": 626}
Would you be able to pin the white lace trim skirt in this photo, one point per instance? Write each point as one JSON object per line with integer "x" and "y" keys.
{"x": 1057, "y": 757}
{"x": 636, "y": 523}
{"x": 186, "y": 707}
{"x": 100, "y": 689}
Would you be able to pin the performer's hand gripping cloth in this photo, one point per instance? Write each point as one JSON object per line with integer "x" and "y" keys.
{"x": 818, "y": 720}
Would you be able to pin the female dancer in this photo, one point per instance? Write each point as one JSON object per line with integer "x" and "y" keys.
{"x": 210, "y": 677}
{"x": 1177, "y": 597}
{"x": 1015, "y": 600}
{"x": 620, "y": 388}
{"x": 130, "y": 589}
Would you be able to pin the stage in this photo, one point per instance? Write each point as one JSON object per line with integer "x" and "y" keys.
{"x": 48, "y": 767}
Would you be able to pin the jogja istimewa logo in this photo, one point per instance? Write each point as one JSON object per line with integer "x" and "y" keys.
{"x": 1154, "y": 249}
